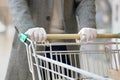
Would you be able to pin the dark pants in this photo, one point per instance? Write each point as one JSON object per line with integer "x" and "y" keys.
{"x": 63, "y": 58}
{"x": 58, "y": 48}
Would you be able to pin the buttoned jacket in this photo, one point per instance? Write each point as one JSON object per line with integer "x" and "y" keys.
{"x": 27, "y": 14}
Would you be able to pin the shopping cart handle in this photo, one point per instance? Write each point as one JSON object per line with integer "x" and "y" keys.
{"x": 23, "y": 37}
{"x": 77, "y": 36}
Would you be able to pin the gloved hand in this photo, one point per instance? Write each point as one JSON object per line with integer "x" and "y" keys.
{"x": 87, "y": 34}
{"x": 36, "y": 34}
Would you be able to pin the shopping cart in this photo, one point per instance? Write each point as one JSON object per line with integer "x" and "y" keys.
{"x": 92, "y": 61}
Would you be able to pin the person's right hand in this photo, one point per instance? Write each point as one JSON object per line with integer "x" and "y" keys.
{"x": 36, "y": 34}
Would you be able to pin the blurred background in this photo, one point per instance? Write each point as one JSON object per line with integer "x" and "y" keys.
{"x": 107, "y": 18}
{"x": 6, "y": 36}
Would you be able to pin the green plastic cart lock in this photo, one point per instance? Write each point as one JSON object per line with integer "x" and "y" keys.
{"x": 23, "y": 37}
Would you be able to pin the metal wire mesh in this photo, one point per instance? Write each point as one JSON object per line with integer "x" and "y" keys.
{"x": 87, "y": 63}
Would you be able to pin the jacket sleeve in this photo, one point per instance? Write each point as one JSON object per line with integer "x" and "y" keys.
{"x": 86, "y": 13}
{"x": 21, "y": 15}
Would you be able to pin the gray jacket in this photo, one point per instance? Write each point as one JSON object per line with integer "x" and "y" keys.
{"x": 31, "y": 13}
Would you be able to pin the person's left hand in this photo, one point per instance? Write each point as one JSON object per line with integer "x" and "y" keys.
{"x": 87, "y": 34}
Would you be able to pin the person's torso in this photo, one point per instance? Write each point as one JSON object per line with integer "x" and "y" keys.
{"x": 41, "y": 12}
{"x": 56, "y": 24}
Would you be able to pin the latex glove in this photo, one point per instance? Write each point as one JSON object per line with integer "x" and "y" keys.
{"x": 87, "y": 34}
{"x": 36, "y": 34}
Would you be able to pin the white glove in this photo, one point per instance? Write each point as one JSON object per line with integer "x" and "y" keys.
{"x": 87, "y": 34}
{"x": 36, "y": 34}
